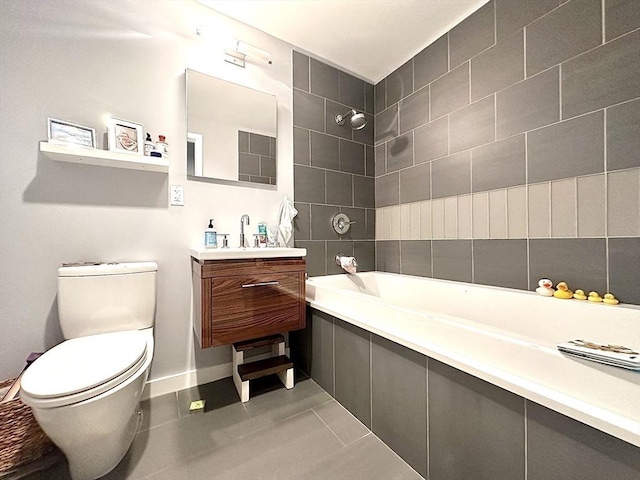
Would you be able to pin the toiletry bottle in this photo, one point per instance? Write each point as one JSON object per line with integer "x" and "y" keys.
{"x": 163, "y": 146}
{"x": 148, "y": 145}
{"x": 262, "y": 235}
{"x": 210, "y": 236}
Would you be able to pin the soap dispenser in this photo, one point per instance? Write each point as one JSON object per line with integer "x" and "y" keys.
{"x": 210, "y": 236}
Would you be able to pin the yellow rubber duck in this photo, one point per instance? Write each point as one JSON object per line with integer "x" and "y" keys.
{"x": 563, "y": 291}
{"x": 579, "y": 295}
{"x": 609, "y": 299}
{"x": 594, "y": 297}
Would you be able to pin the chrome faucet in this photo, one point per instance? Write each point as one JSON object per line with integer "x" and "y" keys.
{"x": 242, "y": 219}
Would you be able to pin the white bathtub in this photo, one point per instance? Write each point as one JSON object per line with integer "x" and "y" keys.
{"x": 506, "y": 337}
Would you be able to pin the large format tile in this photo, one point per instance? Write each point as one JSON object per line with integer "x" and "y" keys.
{"x": 624, "y": 274}
{"x": 325, "y": 151}
{"x": 450, "y": 92}
{"x": 617, "y": 70}
{"x": 621, "y": 16}
{"x": 476, "y": 430}
{"x": 451, "y": 175}
{"x": 341, "y": 422}
{"x": 321, "y": 216}
{"x": 472, "y": 125}
{"x": 399, "y": 400}
{"x": 568, "y": 31}
{"x": 452, "y": 260}
{"x": 512, "y": 15}
{"x": 415, "y": 257}
{"x": 339, "y": 188}
{"x": 529, "y": 104}
{"x": 623, "y": 135}
{"x": 366, "y": 459}
{"x": 388, "y": 190}
{"x": 364, "y": 189}
{"x": 567, "y": 149}
{"x": 414, "y": 110}
{"x": 158, "y": 411}
{"x": 387, "y": 125}
{"x": 431, "y": 140}
{"x": 400, "y": 152}
{"x": 474, "y": 34}
{"x": 400, "y": 83}
{"x": 325, "y": 80}
{"x": 560, "y": 447}
{"x": 431, "y": 63}
{"x": 351, "y": 91}
{"x": 316, "y": 264}
{"x": 497, "y": 68}
{"x": 300, "y": 71}
{"x": 353, "y": 370}
{"x": 501, "y": 263}
{"x": 302, "y": 221}
{"x": 415, "y": 183}
{"x": 322, "y": 349}
{"x": 351, "y": 157}
{"x": 499, "y": 164}
{"x": 365, "y": 253}
{"x": 380, "y": 96}
{"x": 301, "y": 146}
{"x": 308, "y": 111}
{"x": 388, "y": 256}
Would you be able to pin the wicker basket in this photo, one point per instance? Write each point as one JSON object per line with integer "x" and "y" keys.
{"x": 21, "y": 439}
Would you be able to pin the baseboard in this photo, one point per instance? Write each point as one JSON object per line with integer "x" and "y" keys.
{"x": 192, "y": 378}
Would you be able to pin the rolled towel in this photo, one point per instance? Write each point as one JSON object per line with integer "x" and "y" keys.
{"x": 349, "y": 264}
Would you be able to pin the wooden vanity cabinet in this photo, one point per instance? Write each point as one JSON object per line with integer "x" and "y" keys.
{"x": 236, "y": 300}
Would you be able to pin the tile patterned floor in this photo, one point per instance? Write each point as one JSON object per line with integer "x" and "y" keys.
{"x": 279, "y": 434}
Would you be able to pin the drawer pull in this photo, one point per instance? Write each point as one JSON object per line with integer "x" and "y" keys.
{"x": 260, "y": 284}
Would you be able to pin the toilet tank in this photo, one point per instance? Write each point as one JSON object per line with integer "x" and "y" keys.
{"x": 107, "y": 297}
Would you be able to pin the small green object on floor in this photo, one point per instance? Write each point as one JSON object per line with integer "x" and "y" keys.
{"x": 196, "y": 405}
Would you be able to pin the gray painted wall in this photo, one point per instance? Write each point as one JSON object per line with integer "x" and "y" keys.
{"x": 508, "y": 150}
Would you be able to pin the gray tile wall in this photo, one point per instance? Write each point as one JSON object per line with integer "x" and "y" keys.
{"x": 451, "y": 425}
{"x": 513, "y": 142}
{"x": 257, "y": 158}
{"x": 333, "y": 165}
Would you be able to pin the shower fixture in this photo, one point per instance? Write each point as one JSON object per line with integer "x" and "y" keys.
{"x": 358, "y": 120}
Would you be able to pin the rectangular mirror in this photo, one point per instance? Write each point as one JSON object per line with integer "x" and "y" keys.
{"x": 231, "y": 132}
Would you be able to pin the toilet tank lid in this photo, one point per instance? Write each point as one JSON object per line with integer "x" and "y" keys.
{"x": 87, "y": 269}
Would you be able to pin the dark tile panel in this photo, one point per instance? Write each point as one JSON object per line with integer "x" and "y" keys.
{"x": 529, "y": 104}
{"x": 249, "y": 164}
{"x": 451, "y": 175}
{"x": 381, "y": 160}
{"x": 602, "y": 77}
{"x": 259, "y": 144}
{"x": 563, "y": 259}
{"x": 321, "y": 228}
{"x": 415, "y": 257}
{"x": 431, "y": 63}
{"x": 243, "y": 141}
{"x": 331, "y": 126}
{"x": 339, "y": 189}
{"x": 497, "y": 68}
{"x": 388, "y": 256}
{"x": 370, "y": 161}
{"x": 308, "y": 111}
{"x": 414, "y": 110}
{"x": 473, "y": 125}
{"x": 301, "y": 146}
{"x": 450, "y": 92}
{"x": 351, "y": 91}
{"x": 476, "y": 430}
{"x": 400, "y": 152}
{"x": 325, "y": 80}
{"x": 267, "y": 166}
{"x": 568, "y": 31}
{"x": 365, "y": 135}
{"x": 387, "y": 125}
{"x": 431, "y": 140}
{"x": 621, "y": 16}
{"x": 624, "y": 274}
{"x": 560, "y": 447}
{"x": 352, "y": 157}
{"x": 343, "y": 247}
{"x": 400, "y": 83}
{"x": 452, "y": 260}
{"x": 316, "y": 257}
{"x": 302, "y": 221}
{"x": 623, "y": 136}
{"x": 358, "y": 230}
{"x": 513, "y": 15}
{"x": 365, "y": 253}
{"x": 300, "y": 71}
{"x": 499, "y": 164}
{"x": 502, "y": 263}
{"x": 325, "y": 151}
{"x": 399, "y": 401}
{"x": 567, "y": 149}
{"x": 415, "y": 183}
{"x": 369, "y": 102}
{"x": 371, "y": 224}
{"x": 353, "y": 370}
{"x": 364, "y": 190}
{"x": 380, "y": 96}
{"x": 474, "y": 34}
{"x": 322, "y": 348}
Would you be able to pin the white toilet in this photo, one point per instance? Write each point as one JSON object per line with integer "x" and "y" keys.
{"x": 85, "y": 392}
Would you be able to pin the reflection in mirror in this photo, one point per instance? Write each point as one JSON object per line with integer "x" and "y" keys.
{"x": 231, "y": 132}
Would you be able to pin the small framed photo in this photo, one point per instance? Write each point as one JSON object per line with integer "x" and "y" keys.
{"x": 125, "y": 136}
{"x": 67, "y": 133}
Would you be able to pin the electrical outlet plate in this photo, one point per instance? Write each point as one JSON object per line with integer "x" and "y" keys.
{"x": 177, "y": 195}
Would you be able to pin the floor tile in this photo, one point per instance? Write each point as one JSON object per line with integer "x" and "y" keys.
{"x": 342, "y": 423}
{"x": 158, "y": 411}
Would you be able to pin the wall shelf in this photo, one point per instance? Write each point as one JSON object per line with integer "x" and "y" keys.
{"x": 103, "y": 158}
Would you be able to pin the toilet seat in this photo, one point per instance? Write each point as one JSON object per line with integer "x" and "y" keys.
{"x": 84, "y": 367}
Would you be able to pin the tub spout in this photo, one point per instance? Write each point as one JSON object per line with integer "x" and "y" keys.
{"x": 348, "y": 264}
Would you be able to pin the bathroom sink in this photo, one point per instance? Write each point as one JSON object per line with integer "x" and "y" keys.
{"x": 246, "y": 253}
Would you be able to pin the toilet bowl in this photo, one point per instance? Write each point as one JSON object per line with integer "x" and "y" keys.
{"x": 85, "y": 392}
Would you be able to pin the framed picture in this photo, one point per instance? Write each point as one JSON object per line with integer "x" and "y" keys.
{"x": 125, "y": 136}
{"x": 67, "y": 133}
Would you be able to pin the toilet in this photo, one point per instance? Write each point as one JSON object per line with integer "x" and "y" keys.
{"x": 85, "y": 392}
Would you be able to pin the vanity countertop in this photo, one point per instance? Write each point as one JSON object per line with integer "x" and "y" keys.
{"x": 246, "y": 253}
